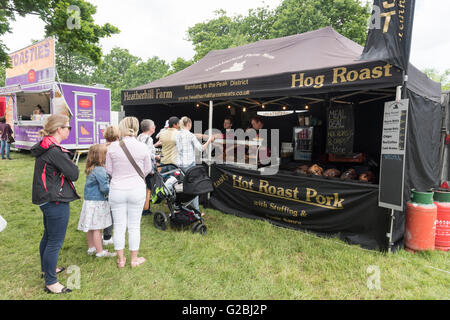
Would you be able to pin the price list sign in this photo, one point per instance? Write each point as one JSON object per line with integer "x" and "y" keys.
{"x": 392, "y": 172}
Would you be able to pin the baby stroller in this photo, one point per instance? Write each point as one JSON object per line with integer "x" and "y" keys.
{"x": 179, "y": 189}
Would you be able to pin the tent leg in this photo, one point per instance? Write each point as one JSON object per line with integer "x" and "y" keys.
{"x": 211, "y": 105}
{"x": 390, "y": 232}
{"x": 398, "y": 97}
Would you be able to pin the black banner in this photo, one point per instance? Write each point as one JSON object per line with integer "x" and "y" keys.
{"x": 330, "y": 207}
{"x": 354, "y": 77}
{"x": 390, "y": 32}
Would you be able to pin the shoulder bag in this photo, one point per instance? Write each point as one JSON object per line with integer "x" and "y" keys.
{"x": 139, "y": 171}
{"x": 130, "y": 158}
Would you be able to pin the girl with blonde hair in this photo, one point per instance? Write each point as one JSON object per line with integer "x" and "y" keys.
{"x": 95, "y": 214}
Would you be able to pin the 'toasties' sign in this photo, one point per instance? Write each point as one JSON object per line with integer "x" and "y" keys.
{"x": 35, "y": 63}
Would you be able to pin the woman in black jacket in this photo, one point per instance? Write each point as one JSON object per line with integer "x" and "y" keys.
{"x": 53, "y": 189}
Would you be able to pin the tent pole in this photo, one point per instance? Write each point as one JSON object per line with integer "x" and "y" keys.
{"x": 211, "y": 105}
{"x": 398, "y": 97}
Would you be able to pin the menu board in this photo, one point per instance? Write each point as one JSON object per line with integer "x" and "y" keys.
{"x": 392, "y": 168}
{"x": 340, "y": 129}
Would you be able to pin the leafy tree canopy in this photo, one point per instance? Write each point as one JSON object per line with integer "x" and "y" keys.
{"x": 443, "y": 78}
{"x": 75, "y": 28}
{"x": 121, "y": 70}
{"x": 348, "y": 17}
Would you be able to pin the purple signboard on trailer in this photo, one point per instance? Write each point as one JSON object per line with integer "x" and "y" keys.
{"x": 26, "y": 136}
{"x": 85, "y": 107}
{"x": 86, "y": 132}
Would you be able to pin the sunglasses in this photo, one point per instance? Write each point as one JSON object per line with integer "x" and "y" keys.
{"x": 68, "y": 127}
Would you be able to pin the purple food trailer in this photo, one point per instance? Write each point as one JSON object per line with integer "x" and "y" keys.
{"x": 31, "y": 83}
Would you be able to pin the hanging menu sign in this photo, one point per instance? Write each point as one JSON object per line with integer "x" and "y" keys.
{"x": 392, "y": 169}
{"x": 340, "y": 129}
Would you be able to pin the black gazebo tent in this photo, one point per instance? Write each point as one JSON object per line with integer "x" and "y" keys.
{"x": 314, "y": 68}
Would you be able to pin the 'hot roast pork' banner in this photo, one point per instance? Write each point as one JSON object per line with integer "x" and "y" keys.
{"x": 325, "y": 206}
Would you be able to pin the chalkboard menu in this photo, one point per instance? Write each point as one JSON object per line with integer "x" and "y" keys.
{"x": 340, "y": 129}
{"x": 392, "y": 168}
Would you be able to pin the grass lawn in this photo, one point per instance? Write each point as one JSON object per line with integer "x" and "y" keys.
{"x": 237, "y": 259}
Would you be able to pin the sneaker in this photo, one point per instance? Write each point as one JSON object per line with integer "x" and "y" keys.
{"x": 91, "y": 251}
{"x": 105, "y": 254}
{"x": 108, "y": 242}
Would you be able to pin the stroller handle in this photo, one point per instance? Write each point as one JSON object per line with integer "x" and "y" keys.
{"x": 174, "y": 168}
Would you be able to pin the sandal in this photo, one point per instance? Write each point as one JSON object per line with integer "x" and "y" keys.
{"x": 138, "y": 262}
{"x": 120, "y": 265}
{"x": 63, "y": 290}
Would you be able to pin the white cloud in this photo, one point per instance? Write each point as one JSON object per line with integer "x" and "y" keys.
{"x": 158, "y": 28}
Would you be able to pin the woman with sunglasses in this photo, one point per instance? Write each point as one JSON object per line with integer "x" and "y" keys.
{"x": 53, "y": 190}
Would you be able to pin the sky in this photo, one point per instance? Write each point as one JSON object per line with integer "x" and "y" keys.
{"x": 158, "y": 28}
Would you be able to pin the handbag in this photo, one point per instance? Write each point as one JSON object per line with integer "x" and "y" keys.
{"x": 10, "y": 139}
{"x": 147, "y": 199}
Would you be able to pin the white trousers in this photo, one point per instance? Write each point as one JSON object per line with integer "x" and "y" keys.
{"x": 126, "y": 208}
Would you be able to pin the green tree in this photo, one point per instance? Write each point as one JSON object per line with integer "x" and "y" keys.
{"x": 73, "y": 67}
{"x": 178, "y": 65}
{"x": 443, "y": 78}
{"x": 111, "y": 72}
{"x": 75, "y": 28}
{"x": 258, "y": 24}
{"x": 145, "y": 72}
{"x": 222, "y": 32}
{"x": 348, "y": 17}
{"x": 120, "y": 70}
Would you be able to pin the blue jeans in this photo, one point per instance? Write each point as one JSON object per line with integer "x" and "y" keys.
{"x": 4, "y": 147}
{"x": 195, "y": 202}
{"x": 56, "y": 219}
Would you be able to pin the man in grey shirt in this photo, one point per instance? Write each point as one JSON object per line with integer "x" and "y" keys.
{"x": 148, "y": 129}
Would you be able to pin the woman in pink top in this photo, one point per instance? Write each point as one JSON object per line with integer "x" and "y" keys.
{"x": 127, "y": 190}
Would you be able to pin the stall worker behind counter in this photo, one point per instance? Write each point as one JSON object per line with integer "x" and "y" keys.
{"x": 227, "y": 134}
{"x": 37, "y": 113}
{"x": 257, "y": 123}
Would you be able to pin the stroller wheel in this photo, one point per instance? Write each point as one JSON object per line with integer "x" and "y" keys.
{"x": 160, "y": 220}
{"x": 200, "y": 228}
